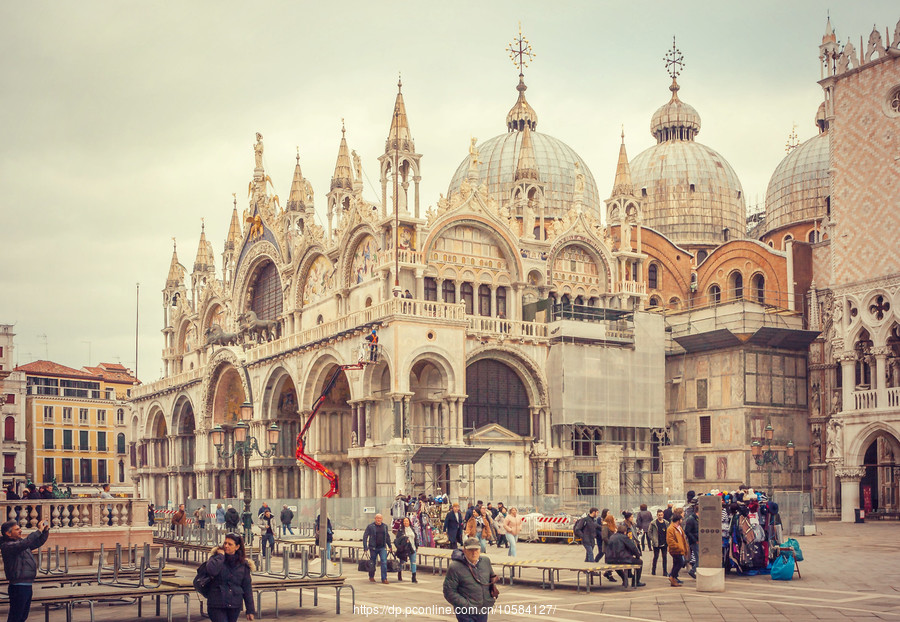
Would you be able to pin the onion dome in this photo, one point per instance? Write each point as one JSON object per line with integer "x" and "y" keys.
{"x": 689, "y": 191}
{"x": 800, "y": 186}
{"x": 547, "y": 159}
{"x": 675, "y": 120}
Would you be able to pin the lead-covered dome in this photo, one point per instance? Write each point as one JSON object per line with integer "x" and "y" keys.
{"x": 555, "y": 163}
{"x": 799, "y": 187}
{"x": 690, "y": 192}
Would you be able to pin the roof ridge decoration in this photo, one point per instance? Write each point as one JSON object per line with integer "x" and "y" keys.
{"x": 301, "y": 197}
{"x": 521, "y": 114}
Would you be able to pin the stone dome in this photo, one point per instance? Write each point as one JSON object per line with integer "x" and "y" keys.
{"x": 555, "y": 166}
{"x": 554, "y": 160}
{"x": 799, "y": 187}
{"x": 689, "y": 191}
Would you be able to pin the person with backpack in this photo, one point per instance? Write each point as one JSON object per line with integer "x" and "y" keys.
{"x": 232, "y": 518}
{"x": 200, "y": 516}
{"x": 692, "y": 533}
{"x": 230, "y": 586}
{"x": 586, "y": 531}
{"x": 329, "y": 535}
{"x": 268, "y": 534}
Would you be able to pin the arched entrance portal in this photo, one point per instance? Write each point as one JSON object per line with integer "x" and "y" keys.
{"x": 155, "y": 454}
{"x": 429, "y": 424}
{"x": 879, "y": 485}
{"x": 227, "y": 399}
{"x": 496, "y": 395}
{"x": 185, "y": 449}
{"x": 280, "y": 405}
{"x": 329, "y": 436}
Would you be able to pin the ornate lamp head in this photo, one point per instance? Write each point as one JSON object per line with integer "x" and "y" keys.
{"x": 755, "y": 449}
{"x": 246, "y": 411}
{"x": 218, "y": 436}
{"x": 273, "y": 434}
{"x": 240, "y": 432}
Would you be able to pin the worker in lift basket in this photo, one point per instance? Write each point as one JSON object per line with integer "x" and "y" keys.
{"x": 372, "y": 338}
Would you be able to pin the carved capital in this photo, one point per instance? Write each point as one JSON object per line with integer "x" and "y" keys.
{"x": 882, "y": 352}
{"x": 845, "y": 357}
{"x": 850, "y": 473}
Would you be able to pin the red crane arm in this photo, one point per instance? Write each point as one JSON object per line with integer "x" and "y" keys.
{"x": 302, "y": 456}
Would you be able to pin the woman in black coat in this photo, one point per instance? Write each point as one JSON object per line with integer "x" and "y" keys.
{"x": 231, "y": 586}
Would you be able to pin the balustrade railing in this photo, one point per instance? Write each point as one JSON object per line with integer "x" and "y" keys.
{"x": 866, "y": 400}
{"x": 631, "y": 287}
{"x": 510, "y": 328}
{"x": 893, "y": 397}
{"x": 75, "y": 513}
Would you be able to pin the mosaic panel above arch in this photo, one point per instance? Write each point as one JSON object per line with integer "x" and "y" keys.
{"x": 363, "y": 260}
{"x": 319, "y": 281}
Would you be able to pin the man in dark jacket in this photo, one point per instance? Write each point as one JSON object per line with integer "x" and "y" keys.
{"x": 692, "y": 533}
{"x": 20, "y": 566}
{"x": 263, "y": 509}
{"x": 232, "y": 518}
{"x": 377, "y": 540}
{"x": 667, "y": 513}
{"x": 454, "y": 525}
{"x": 287, "y": 517}
{"x": 624, "y": 550}
{"x": 586, "y": 529}
{"x": 469, "y": 584}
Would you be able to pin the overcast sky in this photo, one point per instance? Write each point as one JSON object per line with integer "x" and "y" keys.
{"x": 125, "y": 123}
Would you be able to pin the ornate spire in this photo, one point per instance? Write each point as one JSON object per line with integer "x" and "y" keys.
{"x": 343, "y": 172}
{"x": 399, "y": 137}
{"x": 205, "y": 259}
{"x": 622, "y": 184}
{"x": 829, "y": 36}
{"x": 176, "y": 270}
{"x": 234, "y": 229}
{"x": 300, "y": 197}
{"x": 526, "y": 167}
{"x": 521, "y": 114}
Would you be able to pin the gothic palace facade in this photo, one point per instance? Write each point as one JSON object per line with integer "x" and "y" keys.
{"x": 637, "y": 344}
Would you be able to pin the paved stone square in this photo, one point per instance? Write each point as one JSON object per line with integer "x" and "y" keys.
{"x": 849, "y": 573}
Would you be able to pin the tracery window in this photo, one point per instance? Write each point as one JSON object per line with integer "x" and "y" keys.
{"x": 484, "y": 300}
{"x": 496, "y": 394}
{"x": 266, "y": 299}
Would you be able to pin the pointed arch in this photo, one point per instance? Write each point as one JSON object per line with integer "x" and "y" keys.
{"x": 856, "y": 449}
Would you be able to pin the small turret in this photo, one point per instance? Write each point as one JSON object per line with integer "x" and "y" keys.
{"x": 204, "y": 266}
{"x": 400, "y": 152}
{"x": 341, "y": 184}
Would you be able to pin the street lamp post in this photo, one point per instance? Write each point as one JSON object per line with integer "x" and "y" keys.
{"x": 245, "y": 446}
{"x": 768, "y": 457}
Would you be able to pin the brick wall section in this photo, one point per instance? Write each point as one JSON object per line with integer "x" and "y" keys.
{"x": 865, "y": 146}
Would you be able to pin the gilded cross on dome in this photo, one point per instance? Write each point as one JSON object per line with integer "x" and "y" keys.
{"x": 520, "y": 52}
{"x": 674, "y": 61}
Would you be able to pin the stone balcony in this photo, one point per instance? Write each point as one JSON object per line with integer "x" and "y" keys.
{"x": 869, "y": 399}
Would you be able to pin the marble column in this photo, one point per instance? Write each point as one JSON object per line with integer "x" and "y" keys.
{"x": 354, "y": 478}
{"x": 367, "y": 424}
{"x": 363, "y": 477}
{"x": 609, "y": 458}
{"x": 880, "y": 380}
{"x": 848, "y": 380}
{"x": 673, "y": 470}
{"x": 850, "y": 477}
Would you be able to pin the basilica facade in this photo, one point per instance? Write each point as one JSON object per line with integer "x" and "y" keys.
{"x": 636, "y": 344}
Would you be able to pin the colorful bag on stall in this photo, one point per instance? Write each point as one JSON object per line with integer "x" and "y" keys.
{"x": 793, "y": 544}
{"x": 783, "y": 568}
{"x": 746, "y": 530}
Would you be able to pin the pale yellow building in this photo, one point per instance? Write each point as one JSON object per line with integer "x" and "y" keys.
{"x": 75, "y": 423}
